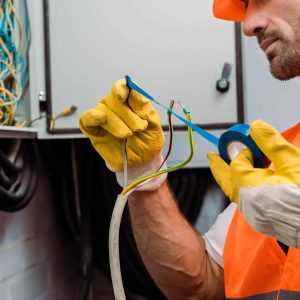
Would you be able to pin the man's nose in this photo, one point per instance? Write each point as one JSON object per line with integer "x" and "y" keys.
{"x": 254, "y": 23}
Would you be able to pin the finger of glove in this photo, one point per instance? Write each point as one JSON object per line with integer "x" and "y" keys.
{"x": 143, "y": 108}
{"x": 143, "y": 146}
{"x": 90, "y": 121}
{"x": 280, "y": 152}
{"x": 243, "y": 162}
{"x": 117, "y": 102}
{"x": 110, "y": 149}
{"x": 221, "y": 172}
{"x": 244, "y": 174}
{"x": 102, "y": 117}
{"x": 137, "y": 102}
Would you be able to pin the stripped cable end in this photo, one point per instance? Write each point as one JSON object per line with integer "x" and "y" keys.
{"x": 185, "y": 110}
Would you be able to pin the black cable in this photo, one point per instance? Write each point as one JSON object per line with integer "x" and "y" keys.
{"x": 5, "y": 180}
{"x": 19, "y": 178}
{"x": 12, "y": 167}
{"x": 36, "y": 119}
{"x": 31, "y": 181}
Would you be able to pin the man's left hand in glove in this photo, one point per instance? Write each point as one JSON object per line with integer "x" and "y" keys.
{"x": 125, "y": 115}
{"x": 269, "y": 198}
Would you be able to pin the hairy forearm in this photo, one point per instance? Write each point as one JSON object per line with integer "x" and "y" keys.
{"x": 172, "y": 251}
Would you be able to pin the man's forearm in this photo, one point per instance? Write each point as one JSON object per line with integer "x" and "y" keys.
{"x": 172, "y": 251}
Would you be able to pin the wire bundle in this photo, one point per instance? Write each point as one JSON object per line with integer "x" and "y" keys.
{"x": 14, "y": 46}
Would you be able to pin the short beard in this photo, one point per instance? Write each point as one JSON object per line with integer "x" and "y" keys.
{"x": 286, "y": 65}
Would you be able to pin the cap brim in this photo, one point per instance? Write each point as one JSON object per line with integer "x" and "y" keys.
{"x": 231, "y": 10}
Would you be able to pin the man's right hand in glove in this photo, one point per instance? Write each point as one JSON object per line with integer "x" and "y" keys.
{"x": 121, "y": 115}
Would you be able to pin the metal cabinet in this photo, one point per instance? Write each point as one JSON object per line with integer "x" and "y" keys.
{"x": 173, "y": 48}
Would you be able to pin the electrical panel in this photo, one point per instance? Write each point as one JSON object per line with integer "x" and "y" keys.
{"x": 174, "y": 50}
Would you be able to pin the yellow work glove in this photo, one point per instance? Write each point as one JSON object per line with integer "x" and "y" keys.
{"x": 269, "y": 198}
{"x": 122, "y": 116}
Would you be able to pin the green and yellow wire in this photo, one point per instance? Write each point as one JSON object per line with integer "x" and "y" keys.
{"x": 178, "y": 166}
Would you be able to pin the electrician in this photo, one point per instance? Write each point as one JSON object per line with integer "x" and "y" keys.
{"x": 251, "y": 252}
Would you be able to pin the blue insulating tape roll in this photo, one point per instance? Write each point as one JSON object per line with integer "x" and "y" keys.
{"x": 237, "y": 133}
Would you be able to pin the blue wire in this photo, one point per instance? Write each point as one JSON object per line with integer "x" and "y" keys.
{"x": 205, "y": 134}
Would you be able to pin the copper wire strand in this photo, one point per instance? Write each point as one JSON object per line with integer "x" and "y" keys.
{"x": 171, "y": 133}
{"x": 8, "y": 106}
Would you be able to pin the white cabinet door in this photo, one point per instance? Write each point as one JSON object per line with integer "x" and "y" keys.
{"x": 174, "y": 49}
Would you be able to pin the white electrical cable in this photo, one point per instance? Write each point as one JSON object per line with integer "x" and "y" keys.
{"x": 114, "y": 256}
{"x": 114, "y": 230}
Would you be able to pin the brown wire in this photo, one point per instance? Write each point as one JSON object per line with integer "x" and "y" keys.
{"x": 171, "y": 132}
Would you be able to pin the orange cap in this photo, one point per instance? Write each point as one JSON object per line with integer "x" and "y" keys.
{"x": 232, "y": 10}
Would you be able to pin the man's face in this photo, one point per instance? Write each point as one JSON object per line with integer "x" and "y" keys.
{"x": 276, "y": 24}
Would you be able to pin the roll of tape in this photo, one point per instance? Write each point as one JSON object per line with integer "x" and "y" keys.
{"x": 240, "y": 134}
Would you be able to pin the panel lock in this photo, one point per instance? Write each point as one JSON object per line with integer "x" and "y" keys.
{"x": 223, "y": 84}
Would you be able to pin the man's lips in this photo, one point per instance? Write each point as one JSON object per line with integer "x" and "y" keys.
{"x": 265, "y": 44}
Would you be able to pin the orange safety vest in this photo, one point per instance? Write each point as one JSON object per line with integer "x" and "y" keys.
{"x": 255, "y": 266}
